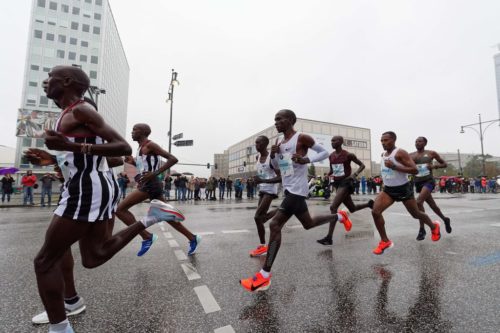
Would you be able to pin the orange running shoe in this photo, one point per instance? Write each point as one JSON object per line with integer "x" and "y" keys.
{"x": 256, "y": 283}
{"x": 345, "y": 217}
{"x": 259, "y": 251}
{"x": 382, "y": 246}
{"x": 436, "y": 233}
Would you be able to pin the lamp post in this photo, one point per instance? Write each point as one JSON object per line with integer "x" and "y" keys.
{"x": 173, "y": 82}
{"x": 93, "y": 90}
{"x": 481, "y": 135}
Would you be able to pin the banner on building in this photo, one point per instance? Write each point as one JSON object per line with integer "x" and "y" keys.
{"x": 33, "y": 123}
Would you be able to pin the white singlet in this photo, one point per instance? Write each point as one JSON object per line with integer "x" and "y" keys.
{"x": 293, "y": 175}
{"x": 392, "y": 177}
{"x": 265, "y": 171}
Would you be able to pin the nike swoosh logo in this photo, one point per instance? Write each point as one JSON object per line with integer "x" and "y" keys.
{"x": 257, "y": 287}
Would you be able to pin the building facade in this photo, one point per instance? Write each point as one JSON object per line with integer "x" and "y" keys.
{"x": 496, "y": 59}
{"x": 220, "y": 168}
{"x": 241, "y": 157}
{"x": 71, "y": 32}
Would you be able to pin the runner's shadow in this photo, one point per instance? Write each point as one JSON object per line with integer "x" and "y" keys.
{"x": 261, "y": 314}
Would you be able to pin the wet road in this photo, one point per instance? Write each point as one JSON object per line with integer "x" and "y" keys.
{"x": 449, "y": 286}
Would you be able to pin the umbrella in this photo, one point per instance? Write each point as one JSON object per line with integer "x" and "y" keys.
{"x": 188, "y": 173}
{"x": 11, "y": 170}
{"x": 175, "y": 174}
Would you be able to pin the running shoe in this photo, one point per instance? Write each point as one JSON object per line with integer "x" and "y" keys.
{"x": 421, "y": 234}
{"x": 146, "y": 244}
{"x": 345, "y": 219}
{"x": 436, "y": 233}
{"x": 71, "y": 310}
{"x": 259, "y": 251}
{"x": 325, "y": 241}
{"x": 193, "y": 245}
{"x": 256, "y": 283}
{"x": 447, "y": 224}
{"x": 371, "y": 203}
{"x": 382, "y": 246}
{"x": 165, "y": 212}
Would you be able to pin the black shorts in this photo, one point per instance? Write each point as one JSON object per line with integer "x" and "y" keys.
{"x": 400, "y": 193}
{"x": 153, "y": 188}
{"x": 346, "y": 182}
{"x": 261, "y": 194}
{"x": 293, "y": 204}
{"x": 426, "y": 183}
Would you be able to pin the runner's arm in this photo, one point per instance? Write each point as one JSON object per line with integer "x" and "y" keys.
{"x": 408, "y": 166}
{"x": 441, "y": 163}
{"x": 304, "y": 143}
{"x": 171, "y": 159}
{"x": 114, "y": 161}
{"x": 361, "y": 165}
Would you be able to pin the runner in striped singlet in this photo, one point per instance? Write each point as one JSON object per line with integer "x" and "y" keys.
{"x": 149, "y": 186}
{"x": 82, "y": 140}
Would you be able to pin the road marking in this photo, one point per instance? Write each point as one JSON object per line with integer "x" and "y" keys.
{"x": 225, "y": 329}
{"x": 204, "y": 233}
{"x": 168, "y": 235}
{"x": 206, "y": 298}
{"x": 294, "y": 226}
{"x": 173, "y": 243}
{"x": 451, "y": 252}
{"x": 490, "y": 259}
{"x": 180, "y": 255}
{"x": 190, "y": 271}
{"x": 236, "y": 231}
{"x": 495, "y": 224}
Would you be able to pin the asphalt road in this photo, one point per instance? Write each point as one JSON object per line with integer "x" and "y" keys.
{"x": 449, "y": 286}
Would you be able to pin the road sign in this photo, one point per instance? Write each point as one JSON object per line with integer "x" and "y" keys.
{"x": 183, "y": 143}
{"x": 177, "y": 136}
{"x": 241, "y": 168}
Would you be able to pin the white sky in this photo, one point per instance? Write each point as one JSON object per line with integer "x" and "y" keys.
{"x": 420, "y": 67}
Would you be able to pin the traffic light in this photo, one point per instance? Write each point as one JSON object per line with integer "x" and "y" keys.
{"x": 215, "y": 166}
{"x": 208, "y": 165}
{"x": 244, "y": 163}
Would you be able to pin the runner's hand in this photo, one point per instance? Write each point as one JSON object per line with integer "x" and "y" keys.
{"x": 257, "y": 180}
{"x": 129, "y": 159}
{"x": 146, "y": 177}
{"x": 275, "y": 148}
{"x": 299, "y": 159}
{"x": 389, "y": 164}
{"x": 56, "y": 141}
{"x": 39, "y": 157}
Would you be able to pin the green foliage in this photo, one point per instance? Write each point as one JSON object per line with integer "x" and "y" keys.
{"x": 312, "y": 170}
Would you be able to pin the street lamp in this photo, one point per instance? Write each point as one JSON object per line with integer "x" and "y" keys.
{"x": 173, "y": 82}
{"x": 481, "y": 135}
{"x": 93, "y": 90}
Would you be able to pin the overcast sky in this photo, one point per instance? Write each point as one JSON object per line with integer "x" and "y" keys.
{"x": 421, "y": 67}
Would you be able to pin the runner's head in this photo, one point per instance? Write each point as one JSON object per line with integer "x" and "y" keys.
{"x": 140, "y": 131}
{"x": 388, "y": 140}
{"x": 66, "y": 80}
{"x": 284, "y": 120}
{"x": 337, "y": 141}
{"x": 261, "y": 143}
{"x": 420, "y": 143}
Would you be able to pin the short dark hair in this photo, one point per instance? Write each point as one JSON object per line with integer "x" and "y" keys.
{"x": 423, "y": 138}
{"x": 391, "y": 134}
{"x": 290, "y": 114}
{"x": 145, "y": 128}
{"x": 265, "y": 138}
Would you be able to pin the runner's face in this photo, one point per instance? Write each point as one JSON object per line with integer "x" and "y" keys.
{"x": 336, "y": 142}
{"x": 136, "y": 132}
{"x": 259, "y": 145}
{"x": 419, "y": 143}
{"x": 53, "y": 85}
{"x": 282, "y": 122}
{"x": 387, "y": 142}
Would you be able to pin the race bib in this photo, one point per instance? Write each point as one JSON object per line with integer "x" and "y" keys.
{"x": 423, "y": 170}
{"x": 62, "y": 163}
{"x": 386, "y": 172}
{"x": 338, "y": 170}
{"x": 285, "y": 164}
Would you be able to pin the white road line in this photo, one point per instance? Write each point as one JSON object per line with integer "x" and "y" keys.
{"x": 173, "y": 243}
{"x": 294, "y": 226}
{"x": 206, "y": 298}
{"x": 236, "y": 231}
{"x": 190, "y": 271}
{"x": 180, "y": 255}
{"x": 168, "y": 235}
{"x": 204, "y": 233}
{"x": 225, "y": 329}
{"x": 495, "y": 224}
{"x": 450, "y": 252}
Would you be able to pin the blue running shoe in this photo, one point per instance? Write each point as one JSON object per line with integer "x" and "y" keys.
{"x": 193, "y": 245}
{"x": 165, "y": 212}
{"x": 146, "y": 244}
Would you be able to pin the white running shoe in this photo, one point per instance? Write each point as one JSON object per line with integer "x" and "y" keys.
{"x": 165, "y": 212}
{"x": 71, "y": 310}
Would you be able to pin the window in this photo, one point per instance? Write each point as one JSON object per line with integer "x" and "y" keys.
{"x": 51, "y": 23}
{"x": 27, "y": 142}
{"x": 53, "y": 5}
{"x": 83, "y": 58}
{"x": 44, "y": 100}
{"x": 40, "y": 143}
{"x": 60, "y": 54}
{"x": 98, "y": 2}
{"x": 33, "y": 84}
{"x": 93, "y": 74}
{"x": 61, "y": 38}
{"x": 85, "y": 28}
{"x": 76, "y": 11}
{"x": 74, "y": 25}
{"x": 38, "y": 33}
{"x": 97, "y": 30}
{"x": 64, "y": 8}
{"x": 71, "y": 55}
{"x": 88, "y": 1}
{"x": 93, "y": 59}
{"x": 46, "y": 69}
{"x": 34, "y": 67}
{"x": 97, "y": 16}
{"x": 41, "y": 3}
{"x": 87, "y": 15}
{"x": 49, "y": 36}
{"x": 38, "y": 21}
{"x": 73, "y": 41}
{"x": 84, "y": 43}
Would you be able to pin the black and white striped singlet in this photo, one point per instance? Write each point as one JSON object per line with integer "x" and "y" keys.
{"x": 90, "y": 190}
{"x": 146, "y": 163}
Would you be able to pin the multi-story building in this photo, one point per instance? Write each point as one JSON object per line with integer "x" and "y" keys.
{"x": 241, "y": 156}
{"x": 220, "y": 167}
{"x": 71, "y": 32}
{"x": 496, "y": 58}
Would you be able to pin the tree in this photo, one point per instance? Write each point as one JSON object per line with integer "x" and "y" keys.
{"x": 450, "y": 170}
{"x": 474, "y": 167}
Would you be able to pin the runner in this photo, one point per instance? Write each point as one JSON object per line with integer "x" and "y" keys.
{"x": 82, "y": 139}
{"x": 267, "y": 192}
{"x": 395, "y": 166}
{"x": 424, "y": 181}
{"x": 149, "y": 186}
{"x": 343, "y": 181}
{"x": 291, "y": 157}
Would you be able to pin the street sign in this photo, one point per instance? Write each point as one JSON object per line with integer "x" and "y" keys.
{"x": 183, "y": 143}
{"x": 177, "y": 136}
{"x": 241, "y": 169}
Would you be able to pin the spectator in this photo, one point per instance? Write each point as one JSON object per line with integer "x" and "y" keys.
{"x": 177, "y": 190}
{"x": 238, "y": 188}
{"x": 197, "y": 187}
{"x": 46, "y": 181}
{"x": 250, "y": 188}
{"x": 357, "y": 183}
{"x": 181, "y": 196}
{"x": 28, "y": 181}
{"x": 229, "y": 187}
{"x": 222, "y": 188}
{"x": 123, "y": 181}
{"x": 363, "y": 184}
{"x": 7, "y": 188}
{"x": 168, "y": 187}
{"x": 190, "y": 188}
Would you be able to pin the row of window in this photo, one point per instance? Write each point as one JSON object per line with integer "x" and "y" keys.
{"x": 92, "y": 74}
{"x": 65, "y": 8}
{"x": 74, "y": 26}
{"x": 60, "y": 38}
